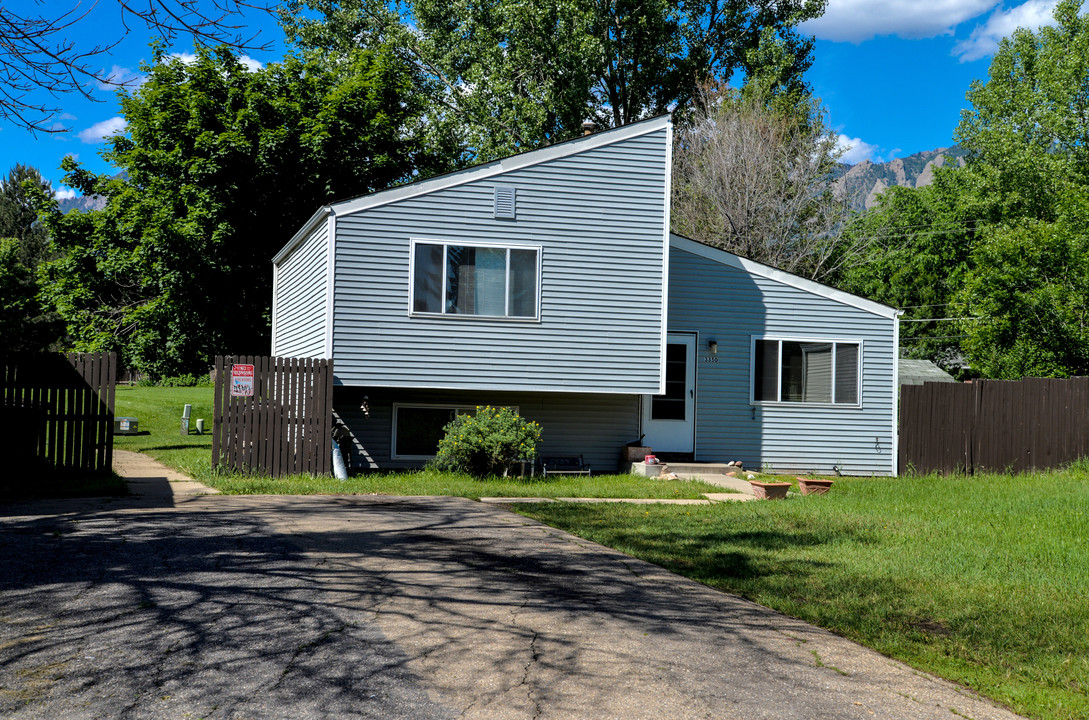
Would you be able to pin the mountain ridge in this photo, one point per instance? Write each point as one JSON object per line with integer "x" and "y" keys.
{"x": 862, "y": 182}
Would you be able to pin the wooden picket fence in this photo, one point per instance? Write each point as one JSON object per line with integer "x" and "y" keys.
{"x": 56, "y": 412}
{"x": 284, "y": 426}
{"x": 994, "y": 425}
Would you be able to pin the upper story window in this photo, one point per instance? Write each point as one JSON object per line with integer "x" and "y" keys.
{"x": 475, "y": 279}
{"x": 806, "y": 371}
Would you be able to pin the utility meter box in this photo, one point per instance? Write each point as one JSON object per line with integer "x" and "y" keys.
{"x": 126, "y": 426}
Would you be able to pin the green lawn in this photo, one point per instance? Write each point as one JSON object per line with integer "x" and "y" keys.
{"x": 982, "y": 580}
{"x": 159, "y": 411}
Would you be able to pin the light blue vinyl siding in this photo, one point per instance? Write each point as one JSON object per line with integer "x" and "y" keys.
{"x": 301, "y": 289}
{"x": 731, "y": 305}
{"x": 595, "y": 426}
{"x": 599, "y": 218}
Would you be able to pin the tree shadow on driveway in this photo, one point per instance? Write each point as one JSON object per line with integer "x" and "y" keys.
{"x": 276, "y": 606}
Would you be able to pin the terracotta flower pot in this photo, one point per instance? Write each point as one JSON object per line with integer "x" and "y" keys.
{"x": 814, "y": 486}
{"x": 769, "y": 490}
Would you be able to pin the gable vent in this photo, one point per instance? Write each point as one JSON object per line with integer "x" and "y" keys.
{"x": 504, "y": 202}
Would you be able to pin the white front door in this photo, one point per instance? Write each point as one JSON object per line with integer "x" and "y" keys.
{"x": 669, "y": 420}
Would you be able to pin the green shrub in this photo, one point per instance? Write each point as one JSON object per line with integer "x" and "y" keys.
{"x": 186, "y": 380}
{"x": 488, "y": 443}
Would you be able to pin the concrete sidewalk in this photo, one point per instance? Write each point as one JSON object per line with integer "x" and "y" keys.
{"x": 149, "y": 478}
{"x": 396, "y": 607}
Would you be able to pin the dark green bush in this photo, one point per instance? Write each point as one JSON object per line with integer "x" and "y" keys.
{"x": 488, "y": 443}
{"x": 186, "y": 380}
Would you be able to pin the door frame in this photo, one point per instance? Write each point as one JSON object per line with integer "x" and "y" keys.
{"x": 675, "y": 435}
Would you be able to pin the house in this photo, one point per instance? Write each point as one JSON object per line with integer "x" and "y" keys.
{"x": 549, "y": 282}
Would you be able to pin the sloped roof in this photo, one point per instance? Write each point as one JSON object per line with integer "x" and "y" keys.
{"x": 782, "y": 276}
{"x": 477, "y": 172}
{"x": 917, "y": 372}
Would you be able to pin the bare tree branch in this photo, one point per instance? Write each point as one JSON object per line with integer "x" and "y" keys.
{"x": 37, "y": 54}
{"x": 756, "y": 181}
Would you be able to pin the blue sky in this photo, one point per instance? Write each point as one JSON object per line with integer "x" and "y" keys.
{"x": 891, "y": 73}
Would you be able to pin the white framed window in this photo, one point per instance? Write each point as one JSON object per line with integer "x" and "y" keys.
{"x": 418, "y": 428}
{"x": 459, "y": 279}
{"x": 811, "y": 371}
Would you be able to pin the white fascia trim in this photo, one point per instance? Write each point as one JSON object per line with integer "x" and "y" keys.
{"x": 499, "y": 167}
{"x": 895, "y": 469}
{"x": 569, "y": 390}
{"x": 302, "y": 234}
{"x": 781, "y": 276}
{"x": 275, "y": 286}
{"x": 667, "y": 202}
{"x": 330, "y": 281}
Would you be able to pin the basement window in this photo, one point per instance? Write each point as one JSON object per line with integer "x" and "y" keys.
{"x": 418, "y": 428}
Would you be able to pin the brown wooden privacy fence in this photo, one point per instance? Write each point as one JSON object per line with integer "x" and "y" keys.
{"x": 56, "y": 412}
{"x": 284, "y": 426}
{"x": 994, "y": 425}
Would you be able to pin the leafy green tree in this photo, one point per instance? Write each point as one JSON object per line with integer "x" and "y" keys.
{"x": 25, "y": 325}
{"x": 997, "y": 246}
{"x": 221, "y": 166}
{"x": 1027, "y": 177}
{"x": 1030, "y": 287}
{"x": 918, "y": 243}
{"x": 1027, "y": 132}
{"x": 511, "y": 75}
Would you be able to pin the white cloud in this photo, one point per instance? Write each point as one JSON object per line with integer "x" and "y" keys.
{"x": 118, "y": 76}
{"x": 858, "y": 20}
{"x": 102, "y": 130}
{"x": 984, "y": 39}
{"x": 249, "y": 63}
{"x": 65, "y": 193}
{"x": 187, "y": 58}
{"x": 855, "y": 150}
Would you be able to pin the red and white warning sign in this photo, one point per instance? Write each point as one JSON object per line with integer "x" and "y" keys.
{"x": 242, "y": 381}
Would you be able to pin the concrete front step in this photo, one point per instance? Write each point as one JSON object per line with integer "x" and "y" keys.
{"x": 698, "y": 468}
{"x": 739, "y": 483}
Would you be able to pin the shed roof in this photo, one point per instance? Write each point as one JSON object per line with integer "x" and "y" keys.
{"x": 917, "y": 372}
{"x": 767, "y": 271}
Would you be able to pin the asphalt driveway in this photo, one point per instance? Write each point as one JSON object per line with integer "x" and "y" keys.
{"x": 335, "y": 607}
